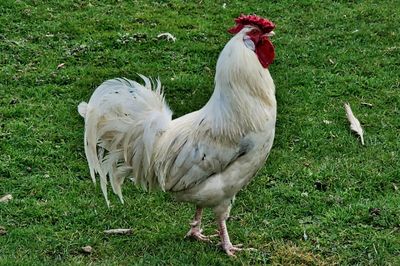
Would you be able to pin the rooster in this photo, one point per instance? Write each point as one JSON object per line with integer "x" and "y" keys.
{"x": 204, "y": 157}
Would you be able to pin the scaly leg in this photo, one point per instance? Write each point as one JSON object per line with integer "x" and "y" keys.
{"x": 195, "y": 230}
{"x": 226, "y": 243}
{"x": 222, "y": 213}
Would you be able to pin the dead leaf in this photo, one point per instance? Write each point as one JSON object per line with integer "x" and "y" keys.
{"x": 118, "y": 231}
{"x": 6, "y": 198}
{"x": 2, "y": 231}
{"x": 61, "y": 65}
{"x": 354, "y": 123}
{"x": 87, "y": 249}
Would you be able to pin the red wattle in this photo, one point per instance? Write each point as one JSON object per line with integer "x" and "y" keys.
{"x": 265, "y": 52}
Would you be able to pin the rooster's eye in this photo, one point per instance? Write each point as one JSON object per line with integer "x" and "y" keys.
{"x": 248, "y": 42}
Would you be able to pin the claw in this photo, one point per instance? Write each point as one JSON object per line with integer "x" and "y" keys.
{"x": 196, "y": 233}
{"x": 232, "y": 249}
{"x": 226, "y": 244}
{"x": 195, "y": 230}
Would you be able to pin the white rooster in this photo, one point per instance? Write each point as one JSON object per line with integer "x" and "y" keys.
{"x": 204, "y": 157}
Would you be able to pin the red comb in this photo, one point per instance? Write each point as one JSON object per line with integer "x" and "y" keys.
{"x": 263, "y": 24}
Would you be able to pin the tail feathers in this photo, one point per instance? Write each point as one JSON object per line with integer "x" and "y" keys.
{"x": 117, "y": 172}
{"x": 90, "y": 142}
{"x": 82, "y": 108}
{"x": 94, "y": 157}
{"x": 123, "y": 120}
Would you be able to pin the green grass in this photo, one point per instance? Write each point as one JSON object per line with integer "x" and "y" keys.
{"x": 319, "y": 180}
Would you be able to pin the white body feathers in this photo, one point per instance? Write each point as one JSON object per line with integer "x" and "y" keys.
{"x": 204, "y": 157}
{"x": 122, "y": 120}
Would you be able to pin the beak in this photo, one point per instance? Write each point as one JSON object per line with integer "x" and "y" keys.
{"x": 270, "y": 34}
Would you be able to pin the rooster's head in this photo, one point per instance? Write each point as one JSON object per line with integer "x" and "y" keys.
{"x": 257, "y": 33}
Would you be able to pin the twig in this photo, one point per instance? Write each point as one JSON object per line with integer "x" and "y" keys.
{"x": 118, "y": 231}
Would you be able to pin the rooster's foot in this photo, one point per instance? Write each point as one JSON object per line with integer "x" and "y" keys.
{"x": 196, "y": 233}
{"x": 232, "y": 249}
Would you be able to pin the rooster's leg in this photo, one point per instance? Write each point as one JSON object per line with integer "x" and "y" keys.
{"x": 226, "y": 243}
{"x": 195, "y": 229}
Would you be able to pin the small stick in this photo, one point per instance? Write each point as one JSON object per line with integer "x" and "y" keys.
{"x": 118, "y": 231}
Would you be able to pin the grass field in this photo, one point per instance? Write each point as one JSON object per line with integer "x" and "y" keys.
{"x": 321, "y": 199}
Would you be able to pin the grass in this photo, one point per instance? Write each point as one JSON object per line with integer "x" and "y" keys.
{"x": 321, "y": 199}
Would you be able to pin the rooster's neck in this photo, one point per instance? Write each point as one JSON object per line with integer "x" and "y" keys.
{"x": 244, "y": 94}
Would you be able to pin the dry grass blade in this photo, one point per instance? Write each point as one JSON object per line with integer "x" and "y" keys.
{"x": 354, "y": 123}
{"x": 118, "y": 231}
{"x": 367, "y": 104}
